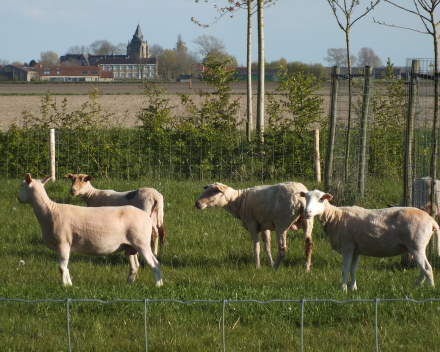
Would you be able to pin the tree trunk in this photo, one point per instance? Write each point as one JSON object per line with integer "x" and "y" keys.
{"x": 249, "y": 73}
{"x": 347, "y": 146}
{"x": 261, "y": 61}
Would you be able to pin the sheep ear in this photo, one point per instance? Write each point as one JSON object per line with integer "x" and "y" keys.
{"x": 69, "y": 175}
{"x": 44, "y": 180}
{"x": 302, "y": 194}
{"x": 222, "y": 188}
{"x": 207, "y": 186}
{"x": 88, "y": 178}
{"x": 327, "y": 196}
{"x": 28, "y": 178}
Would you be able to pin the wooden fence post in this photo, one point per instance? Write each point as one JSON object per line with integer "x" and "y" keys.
{"x": 332, "y": 128}
{"x": 52, "y": 152}
{"x": 316, "y": 156}
{"x": 368, "y": 79}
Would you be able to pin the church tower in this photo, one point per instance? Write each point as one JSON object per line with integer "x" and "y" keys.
{"x": 137, "y": 48}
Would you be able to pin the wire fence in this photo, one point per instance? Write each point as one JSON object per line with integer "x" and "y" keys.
{"x": 132, "y": 154}
{"x": 145, "y": 302}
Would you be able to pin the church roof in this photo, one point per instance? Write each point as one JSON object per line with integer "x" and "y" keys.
{"x": 137, "y": 36}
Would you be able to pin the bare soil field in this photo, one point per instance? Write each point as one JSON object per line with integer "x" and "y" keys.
{"x": 122, "y": 100}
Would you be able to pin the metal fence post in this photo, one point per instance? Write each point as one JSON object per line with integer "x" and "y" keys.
{"x": 303, "y": 301}
{"x": 68, "y": 324}
{"x": 375, "y": 322}
{"x": 223, "y": 325}
{"x": 145, "y": 323}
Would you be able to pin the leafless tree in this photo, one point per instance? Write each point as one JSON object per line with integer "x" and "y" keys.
{"x": 48, "y": 58}
{"x": 78, "y": 49}
{"x": 345, "y": 22}
{"x": 120, "y": 49}
{"x": 156, "y": 50}
{"x": 4, "y": 62}
{"x": 102, "y": 47}
{"x": 338, "y": 57}
{"x": 367, "y": 57}
{"x": 425, "y": 11}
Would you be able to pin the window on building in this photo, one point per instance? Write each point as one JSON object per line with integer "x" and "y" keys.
{"x": 136, "y": 74}
{"x": 94, "y": 72}
{"x": 122, "y": 74}
{"x": 146, "y": 74}
{"x": 85, "y": 72}
{"x": 136, "y": 67}
{"x": 122, "y": 67}
{"x": 146, "y": 67}
{"x": 128, "y": 74}
{"x": 116, "y": 74}
{"x": 116, "y": 67}
{"x": 105, "y": 68}
{"x": 153, "y": 74}
{"x": 110, "y": 68}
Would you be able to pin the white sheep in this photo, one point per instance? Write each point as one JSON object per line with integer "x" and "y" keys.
{"x": 355, "y": 231}
{"x": 146, "y": 199}
{"x": 92, "y": 231}
{"x": 262, "y": 209}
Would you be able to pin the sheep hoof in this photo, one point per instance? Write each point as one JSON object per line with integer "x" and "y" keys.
{"x": 159, "y": 283}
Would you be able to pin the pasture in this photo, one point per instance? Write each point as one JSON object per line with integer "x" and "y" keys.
{"x": 207, "y": 256}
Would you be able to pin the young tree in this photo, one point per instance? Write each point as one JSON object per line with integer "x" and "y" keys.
{"x": 367, "y": 57}
{"x": 425, "y": 11}
{"x": 156, "y": 50}
{"x": 167, "y": 64}
{"x": 48, "y": 58}
{"x": 185, "y": 60}
{"x": 346, "y": 9}
{"x": 78, "y": 49}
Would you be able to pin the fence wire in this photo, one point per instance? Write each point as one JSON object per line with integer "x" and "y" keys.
{"x": 132, "y": 154}
{"x": 223, "y": 303}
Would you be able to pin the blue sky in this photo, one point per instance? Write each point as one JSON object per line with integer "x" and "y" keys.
{"x": 297, "y": 30}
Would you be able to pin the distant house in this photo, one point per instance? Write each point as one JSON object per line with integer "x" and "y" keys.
{"x": 378, "y": 72}
{"x": 129, "y": 68}
{"x": 74, "y": 74}
{"x": 184, "y": 78}
{"x": 136, "y": 64}
{"x": 20, "y": 72}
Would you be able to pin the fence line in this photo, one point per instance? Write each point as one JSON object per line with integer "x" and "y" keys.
{"x": 146, "y": 301}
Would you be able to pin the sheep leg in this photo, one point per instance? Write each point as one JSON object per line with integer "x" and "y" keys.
{"x": 63, "y": 256}
{"x": 425, "y": 269}
{"x": 256, "y": 242}
{"x": 266, "y": 241}
{"x": 353, "y": 268}
{"x": 347, "y": 257}
{"x": 155, "y": 240}
{"x": 153, "y": 264}
{"x": 133, "y": 265}
{"x": 282, "y": 248}
{"x": 307, "y": 228}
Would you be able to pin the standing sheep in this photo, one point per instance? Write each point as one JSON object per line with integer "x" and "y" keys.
{"x": 92, "y": 231}
{"x": 355, "y": 231}
{"x": 146, "y": 199}
{"x": 262, "y": 209}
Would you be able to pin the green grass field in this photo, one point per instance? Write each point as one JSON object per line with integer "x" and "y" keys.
{"x": 207, "y": 256}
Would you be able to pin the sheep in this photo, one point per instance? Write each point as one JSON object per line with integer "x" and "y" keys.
{"x": 92, "y": 231}
{"x": 146, "y": 199}
{"x": 421, "y": 195}
{"x": 262, "y": 209}
{"x": 355, "y": 231}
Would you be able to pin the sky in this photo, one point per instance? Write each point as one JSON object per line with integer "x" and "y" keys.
{"x": 297, "y": 30}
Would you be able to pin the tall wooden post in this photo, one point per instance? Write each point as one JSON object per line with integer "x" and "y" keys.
{"x": 368, "y": 80}
{"x": 332, "y": 128}
{"x": 317, "y": 156}
{"x": 52, "y": 152}
{"x": 409, "y": 134}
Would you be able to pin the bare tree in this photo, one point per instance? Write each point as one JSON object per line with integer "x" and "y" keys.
{"x": 185, "y": 60}
{"x": 78, "y": 49}
{"x": 367, "y": 57}
{"x": 120, "y": 49}
{"x": 48, "y": 58}
{"x": 338, "y": 57}
{"x": 102, "y": 47}
{"x": 156, "y": 50}
{"x": 425, "y": 10}
{"x": 4, "y": 62}
{"x": 346, "y": 9}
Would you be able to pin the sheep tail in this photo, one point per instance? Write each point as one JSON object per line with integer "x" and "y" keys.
{"x": 159, "y": 209}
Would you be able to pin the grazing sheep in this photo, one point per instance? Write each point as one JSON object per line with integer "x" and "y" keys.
{"x": 262, "y": 209}
{"x": 92, "y": 231}
{"x": 421, "y": 195}
{"x": 146, "y": 199}
{"x": 355, "y": 231}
